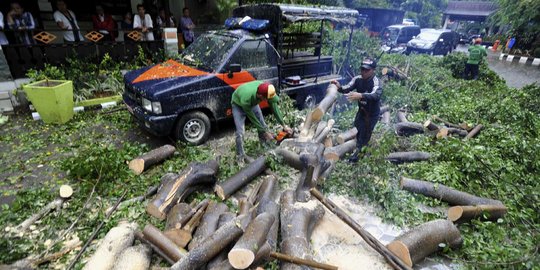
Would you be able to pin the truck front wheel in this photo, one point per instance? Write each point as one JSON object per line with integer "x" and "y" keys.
{"x": 193, "y": 128}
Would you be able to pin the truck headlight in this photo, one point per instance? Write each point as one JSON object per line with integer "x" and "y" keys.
{"x": 146, "y": 104}
{"x": 156, "y": 107}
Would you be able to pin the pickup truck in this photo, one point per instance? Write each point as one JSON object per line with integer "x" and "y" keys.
{"x": 184, "y": 97}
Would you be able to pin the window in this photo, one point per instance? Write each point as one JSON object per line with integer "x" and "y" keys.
{"x": 254, "y": 54}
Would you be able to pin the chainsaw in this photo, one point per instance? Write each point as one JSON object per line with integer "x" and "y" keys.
{"x": 282, "y": 135}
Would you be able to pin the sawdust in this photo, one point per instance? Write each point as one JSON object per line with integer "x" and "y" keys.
{"x": 334, "y": 242}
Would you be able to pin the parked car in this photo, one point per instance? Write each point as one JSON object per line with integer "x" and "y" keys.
{"x": 184, "y": 97}
{"x": 434, "y": 42}
{"x": 394, "y": 38}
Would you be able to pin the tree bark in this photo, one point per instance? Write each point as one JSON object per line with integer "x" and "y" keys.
{"x": 328, "y": 100}
{"x": 392, "y": 259}
{"x": 177, "y": 213}
{"x": 208, "y": 223}
{"x": 431, "y": 126}
{"x": 201, "y": 205}
{"x": 242, "y": 178}
{"x": 461, "y": 214}
{"x": 139, "y": 236}
{"x": 214, "y": 244}
{"x": 337, "y": 152}
{"x": 328, "y": 142}
{"x": 408, "y": 128}
{"x": 320, "y": 126}
{"x": 402, "y": 157}
{"x": 214, "y": 264}
{"x": 312, "y": 168}
{"x": 347, "y": 135}
{"x": 134, "y": 258}
{"x": 158, "y": 239}
{"x": 243, "y": 253}
{"x": 171, "y": 192}
{"x": 384, "y": 109}
{"x": 444, "y": 193}
{"x": 324, "y": 133}
{"x": 418, "y": 243}
{"x": 474, "y": 131}
{"x": 290, "y": 158}
{"x": 141, "y": 163}
{"x": 55, "y": 204}
{"x": 271, "y": 207}
{"x": 457, "y": 131}
{"x": 385, "y": 118}
{"x": 268, "y": 189}
{"x": 325, "y": 174}
{"x": 181, "y": 237}
{"x": 401, "y": 116}
{"x": 117, "y": 240}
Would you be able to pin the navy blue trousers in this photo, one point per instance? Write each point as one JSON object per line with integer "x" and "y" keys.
{"x": 364, "y": 123}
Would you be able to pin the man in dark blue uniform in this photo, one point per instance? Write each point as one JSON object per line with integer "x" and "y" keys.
{"x": 366, "y": 89}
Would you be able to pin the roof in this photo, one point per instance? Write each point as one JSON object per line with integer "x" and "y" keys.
{"x": 276, "y": 13}
{"x": 473, "y": 8}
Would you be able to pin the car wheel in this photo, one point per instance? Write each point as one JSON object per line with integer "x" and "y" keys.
{"x": 193, "y": 128}
{"x": 310, "y": 101}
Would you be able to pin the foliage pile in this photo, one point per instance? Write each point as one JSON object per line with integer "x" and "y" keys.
{"x": 501, "y": 163}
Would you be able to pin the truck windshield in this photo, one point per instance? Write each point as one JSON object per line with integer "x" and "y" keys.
{"x": 208, "y": 51}
{"x": 428, "y": 36}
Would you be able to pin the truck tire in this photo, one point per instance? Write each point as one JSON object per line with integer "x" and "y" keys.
{"x": 193, "y": 128}
{"x": 309, "y": 102}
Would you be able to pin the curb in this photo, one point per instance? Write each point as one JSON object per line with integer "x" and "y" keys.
{"x": 35, "y": 115}
{"x": 520, "y": 59}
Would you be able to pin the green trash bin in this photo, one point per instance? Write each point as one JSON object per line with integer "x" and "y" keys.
{"x": 53, "y": 99}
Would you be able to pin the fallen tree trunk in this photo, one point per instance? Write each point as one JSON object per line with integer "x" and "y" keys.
{"x": 208, "y": 224}
{"x": 474, "y": 131}
{"x": 408, "y": 128}
{"x": 461, "y": 214}
{"x": 384, "y": 109}
{"x": 214, "y": 264}
{"x": 134, "y": 258}
{"x": 143, "y": 162}
{"x": 337, "y": 152}
{"x": 139, "y": 236}
{"x": 117, "y": 240}
{"x": 271, "y": 207}
{"x": 324, "y": 105}
{"x": 160, "y": 241}
{"x": 402, "y": 157}
{"x": 457, "y": 131}
{"x": 444, "y": 193}
{"x": 347, "y": 135}
{"x": 290, "y": 158}
{"x": 320, "y": 127}
{"x": 414, "y": 245}
{"x": 306, "y": 126}
{"x": 324, "y": 133}
{"x": 312, "y": 168}
{"x": 171, "y": 192}
{"x": 242, "y": 255}
{"x": 182, "y": 236}
{"x": 390, "y": 257}
{"x": 401, "y": 117}
{"x": 214, "y": 244}
{"x": 242, "y": 178}
{"x": 385, "y": 118}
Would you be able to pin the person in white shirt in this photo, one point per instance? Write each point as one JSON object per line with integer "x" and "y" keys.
{"x": 3, "y": 39}
{"x": 65, "y": 19}
{"x": 143, "y": 22}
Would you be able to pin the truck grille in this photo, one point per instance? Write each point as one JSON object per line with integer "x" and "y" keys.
{"x": 133, "y": 95}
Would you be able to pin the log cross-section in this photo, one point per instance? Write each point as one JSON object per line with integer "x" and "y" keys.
{"x": 243, "y": 253}
{"x": 326, "y": 103}
{"x": 460, "y": 214}
{"x": 143, "y": 162}
{"x": 242, "y": 178}
{"x": 337, "y": 152}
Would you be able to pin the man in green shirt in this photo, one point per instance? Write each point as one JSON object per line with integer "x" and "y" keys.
{"x": 476, "y": 54}
{"x": 245, "y": 102}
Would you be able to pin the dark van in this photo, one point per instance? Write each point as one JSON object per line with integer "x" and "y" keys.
{"x": 434, "y": 42}
{"x": 395, "y": 37}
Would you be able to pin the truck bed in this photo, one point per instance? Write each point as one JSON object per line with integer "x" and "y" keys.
{"x": 307, "y": 66}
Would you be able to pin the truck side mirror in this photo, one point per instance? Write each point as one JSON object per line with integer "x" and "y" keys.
{"x": 234, "y": 68}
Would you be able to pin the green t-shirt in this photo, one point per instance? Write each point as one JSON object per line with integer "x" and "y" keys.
{"x": 245, "y": 96}
{"x": 476, "y": 53}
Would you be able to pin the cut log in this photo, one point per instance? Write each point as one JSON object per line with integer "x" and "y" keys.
{"x": 271, "y": 207}
{"x": 384, "y": 109}
{"x": 158, "y": 239}
{"x": 300, "y": 261}
{"x": 401, "y": 116}
{"x": 134, "y": 258}
{"x": 324, "y": 105}
{"x": 185, "y": 219}
{"x": 181, "y": 237}
{"x": 328, "y": 142}
{"x": 290, "y": 158}
{"x": 326, "y": 172}
{"x": 312, "y": 168}
{"x": 444, "y": 193}
{"x": 446, "y": 123}
{"x": 177, "y": 213}
{"x": 320, "y": 127}
{"x": 337, "y": 152}
{"x": 474, "y": 131}
{"x": 457, "y": 131}
{"x": 55, "y": 204}
{"x": 347, "y": 135}
{"x": 139, "y": 236}
{"x": 408, "y": 128}
{"x": 214, "y": 264}
{"x": 116, "y": 240}
{"x": 141, "y": 163}
{"x": 214, "y": 244}
{"x": 324, "y": 133}
{"x": 442, "y": 133}
{"x": 208, "y": 224}
{"x": 461, "y": 214}
{"x": 171, "y": 192}
{"x": 392, "y": 259}
{"x": 66, "y": 191}
{"x": 243, "y": 253}
{"x": 268, "y": 189}
{"x": 431, "y": 126}
{"x": 306, "y": 126}
{"x": 244, "y": 206}
{"x": 242, "y": 178}
{"x": 414, "y": 245}
{"x": 385, "y": 118}
{"x": 402, "y": 157}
